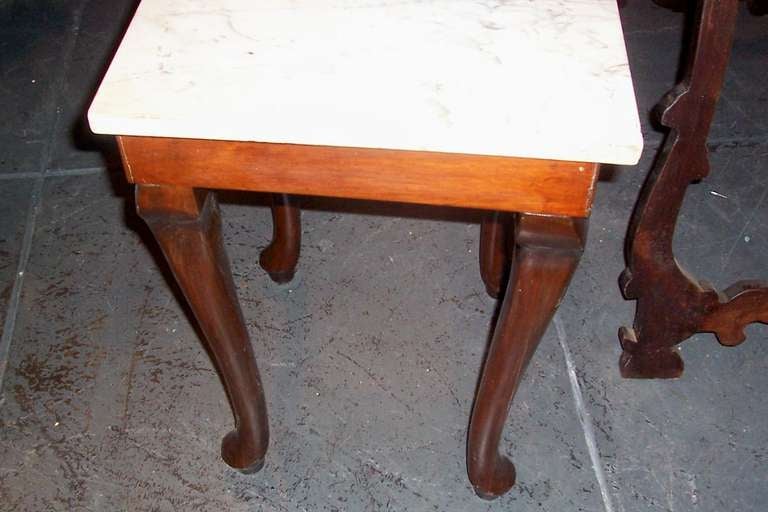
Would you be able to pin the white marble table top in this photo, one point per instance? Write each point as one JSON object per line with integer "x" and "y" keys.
{"x": 542, "y": 79}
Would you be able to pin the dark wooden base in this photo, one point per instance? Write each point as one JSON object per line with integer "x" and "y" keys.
{"x": 547, "y": 250}
{"x": 664, "y": 363}
{"x": 173, "y": 174}
{"x": 281, "y": 256}
{"x": 671, "y": 304}
{"x": 186, "y": 224}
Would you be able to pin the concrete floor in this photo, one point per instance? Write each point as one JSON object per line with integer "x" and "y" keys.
{"x": 370, "y": 357}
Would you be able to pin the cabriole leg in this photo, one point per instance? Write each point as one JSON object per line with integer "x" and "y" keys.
{"x": 186, "y": 224}
{"x": 546, "y": 254}
{"x": 280, "y": 257}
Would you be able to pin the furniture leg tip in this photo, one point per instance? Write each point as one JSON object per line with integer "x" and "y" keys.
{"x": 490, "y": 495}
{"x": 278, "y": 275}
{"x": 253, "y": 468}
{"x": 245, "y": 455}
{"x": 661, "y": 364}
{"x": 491, "y": 486}
{"x": 485, "y": 496}
{"x": 281, "y": 277}
{"x": 280, "y": 267}
{"x": 494, "y": 292}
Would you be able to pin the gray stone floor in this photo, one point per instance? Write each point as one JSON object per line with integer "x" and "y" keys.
{"x": 370, "y": 357}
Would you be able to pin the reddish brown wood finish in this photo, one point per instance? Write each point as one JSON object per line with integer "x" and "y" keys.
{"x": 186, "y": 224}
{"x": 280, "y": 258}
{"x": 446, "y": 179}
{"x": 671, "y": 304}
{"x": 546, "y": 254}
{"x": 494, "y": 253}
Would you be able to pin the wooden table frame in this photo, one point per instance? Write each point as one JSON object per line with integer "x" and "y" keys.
{"x": 538, "y": 248}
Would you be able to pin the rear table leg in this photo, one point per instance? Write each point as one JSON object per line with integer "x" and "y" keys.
{"x": 280, "y": 257}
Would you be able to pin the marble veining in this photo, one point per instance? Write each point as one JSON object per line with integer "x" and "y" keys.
{"x": 544, "y": 79}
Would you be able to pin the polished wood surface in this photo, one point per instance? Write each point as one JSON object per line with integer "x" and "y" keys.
{"x": 186, "y": 224}
{"x": 447, "y": 179}
{"x": 280, "y": 258}
{"x": 172, "y": 174}
{"x": 671, "y": 304}
{"x": 545, "y": 257}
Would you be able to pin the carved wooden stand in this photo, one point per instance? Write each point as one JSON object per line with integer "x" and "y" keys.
{"x": 671, "y": 304}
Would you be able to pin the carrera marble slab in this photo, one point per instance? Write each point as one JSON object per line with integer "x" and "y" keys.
{"x": 546, "y": 79}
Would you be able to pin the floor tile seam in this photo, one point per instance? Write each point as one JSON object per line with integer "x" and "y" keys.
{"x": 585, "y": 418}
{"x": 31, "y": 175}
{"x": 53, "y": 173}
{"x": 9, "y": 325}
{"x": 35, "y": 203}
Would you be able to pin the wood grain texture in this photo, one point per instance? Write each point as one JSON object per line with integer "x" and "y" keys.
{"x": 545, "y": 257}
{"x": 671, "y": 304}
{"x": 557, "y": 196}
{"x": 447, "y": 179}
{"x": 186, "y": 224}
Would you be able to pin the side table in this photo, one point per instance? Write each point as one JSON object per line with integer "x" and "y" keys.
{"x": 507, "y": 107}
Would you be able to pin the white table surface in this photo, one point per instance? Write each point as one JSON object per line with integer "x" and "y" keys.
{"x": 542, "y": 79}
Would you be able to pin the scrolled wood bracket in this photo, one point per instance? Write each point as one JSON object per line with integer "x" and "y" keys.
{"x": 671, "y": 304}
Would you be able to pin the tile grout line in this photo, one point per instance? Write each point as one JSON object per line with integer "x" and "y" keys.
{"x": 36, "y": 201}
{"x": 78, "y": 171}
{"x": 584, "y": 417}
{"x": 20, "y": 175}
{"x": 13, "y": 304}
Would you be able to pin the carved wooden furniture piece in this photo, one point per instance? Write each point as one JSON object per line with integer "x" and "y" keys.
{"x": 490, "y": 108}
{"x": 671, "y": 304}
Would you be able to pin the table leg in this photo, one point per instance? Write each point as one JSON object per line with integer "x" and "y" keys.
{"x": 494, "y": 253}
{"x": 186, "y": 224}
{"x": 546, "y": 254}
{"x": 280, "y": 257}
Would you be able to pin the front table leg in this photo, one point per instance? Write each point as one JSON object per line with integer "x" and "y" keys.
{"x": 186, "y": 223}
{"x": 547, "y": 252}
